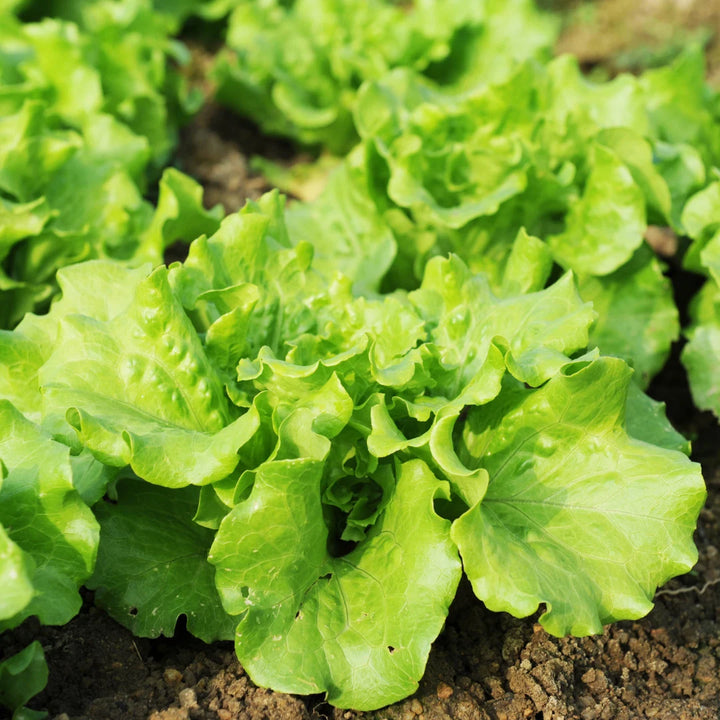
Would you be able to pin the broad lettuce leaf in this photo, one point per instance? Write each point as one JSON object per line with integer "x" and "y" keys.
{"x": 15, "y": 575}
{"x": 358, "y": 626}
{"x": 138, "y": 389}
{"x": 645, "y": 420}
{"x": 146, "y": 582}
{"x": 572, "y": 517}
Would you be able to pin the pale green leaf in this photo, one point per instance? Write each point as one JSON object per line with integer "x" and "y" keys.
{"x": 45, "y": 517}
{"x": 578, "y": 516}
{"x": 22, "y": 676}
{"x": 637, "y": 319}
{"x": 357, "y": 627}
{"x": 606, "y": 224}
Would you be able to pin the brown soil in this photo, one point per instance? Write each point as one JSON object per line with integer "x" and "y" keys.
{"x": 215, "y": 149}
{"x": 618, "y": 35}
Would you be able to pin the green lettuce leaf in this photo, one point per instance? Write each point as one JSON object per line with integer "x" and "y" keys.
{"x": 637, "y": 319}
{"x": 572, "y": 517}
{"x": 23, "y": 676}
{"x": 537, "y": 331}
{"x": 699, "y": 356}
{"x": 344, "y": 214}
{"x": 645, "y": 420}
{"x": 358, "y": 626}
{"x": 605, "y": 226}
{"x": 15, "y": 575}
{"x": 146, "y": 582}
{"x": 179, "y": 216}
{"x": 701, "y": 222}
{"x": 46, "y": 519}
{"x": 139, "y": 390}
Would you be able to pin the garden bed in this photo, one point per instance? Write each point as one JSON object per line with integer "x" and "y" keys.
{"x": 484, "y": 665}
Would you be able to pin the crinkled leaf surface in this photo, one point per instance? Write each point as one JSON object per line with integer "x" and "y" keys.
{"x": 45, "y": 517}
{"x": 357, "y": 627}
{"x": 536, "y": 331}
{"x": 577, "y": 515}
{"x": 323, "y": 51}
{"x": 31, "y": 152}
{"x": 139, "y": 390}
{"x": 605, "y": 226}
{"x": 152, "y": 563}
{"x": 637, "y": 319}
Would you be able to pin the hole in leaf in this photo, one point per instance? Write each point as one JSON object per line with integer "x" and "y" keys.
{"x": 390, "y": 649}
{"x": 133, "y": 611}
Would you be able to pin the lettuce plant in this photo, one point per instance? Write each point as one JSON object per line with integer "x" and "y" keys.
{"x": 86, "y": 121}
{"x": 304, "y": 434}
{"x": 295, "y": 67}
{"x": 326, "y": 466}
{"x": 586, "y": 166}
{"x": 165, "y": 17}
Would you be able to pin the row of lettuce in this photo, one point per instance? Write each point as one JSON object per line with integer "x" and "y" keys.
{"x": 327, "y": 412}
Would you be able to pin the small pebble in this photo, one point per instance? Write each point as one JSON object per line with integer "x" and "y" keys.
{"x": 172, "y": 676}
{"x": 444, "y": 691}
{"x": 416, "y": 706}
{"x": 187, "y": 698}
